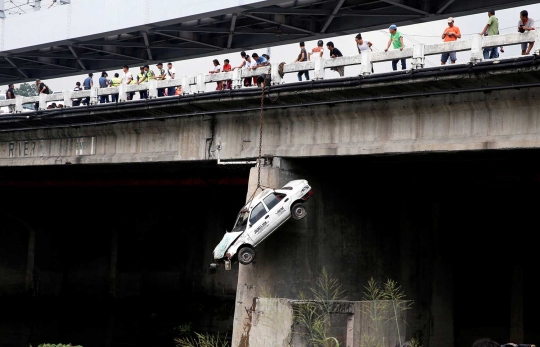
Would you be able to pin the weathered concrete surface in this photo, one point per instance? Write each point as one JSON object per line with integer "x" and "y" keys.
{"x": 352, "y": 240}
{"x": 474, "y": 121}
{"x": 296, "y": 124}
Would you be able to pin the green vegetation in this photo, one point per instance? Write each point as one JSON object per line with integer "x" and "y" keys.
{"x": 314, "y": 315}
{"x": 27, "y": 89}
{"x": 384, "y": 303}
{"x": 200, "y": 340}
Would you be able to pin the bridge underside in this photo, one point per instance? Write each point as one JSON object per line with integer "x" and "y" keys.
{"x": 453, "y": 229}
{"x": 206, "y": 34}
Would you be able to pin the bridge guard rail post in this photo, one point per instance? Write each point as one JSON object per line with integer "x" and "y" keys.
{"x": 201, "y": 84}
{"x": 319, "y": 68}
{"x": 68, "y": 94}
{"x": 477, "y": 52}
{"x": 418, "y": 59}
{"x": 275, "y": 77}
{"x": 94, "y": 95}
{"x": 537, "y": 43}
{"x": 186, "y": 87}
{"x": 237, "y": 79}
{"x": 19, "y": 105}
{"x": 42, "y": 101}
{"x": 152, "y": 89}
{"x": 122, "y": 92}
{"x": 366, "y": 67}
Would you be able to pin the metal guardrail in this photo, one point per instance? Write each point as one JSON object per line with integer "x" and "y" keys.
{"x": 197, "y": 84}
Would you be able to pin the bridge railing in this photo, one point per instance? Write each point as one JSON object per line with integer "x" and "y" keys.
{"x": 197, "y": 84}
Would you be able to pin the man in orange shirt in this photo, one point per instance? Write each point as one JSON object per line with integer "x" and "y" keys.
{"x": 451, "y": 33}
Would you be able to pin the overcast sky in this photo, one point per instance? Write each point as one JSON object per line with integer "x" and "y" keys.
{"x": 424, "y": 32}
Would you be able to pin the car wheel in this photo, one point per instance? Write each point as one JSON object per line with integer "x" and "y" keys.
{"x": 298, "y": 211}
{"x": 246, "y": 255}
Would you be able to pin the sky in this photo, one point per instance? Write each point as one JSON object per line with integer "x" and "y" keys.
{"x": 424, "y": 32}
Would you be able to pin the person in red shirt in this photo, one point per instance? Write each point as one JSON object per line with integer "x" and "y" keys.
{"x": 451, "y": 34}
{"x": 226, "y": 68}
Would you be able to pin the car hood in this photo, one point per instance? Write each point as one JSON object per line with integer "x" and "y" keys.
{"x": 226, "y": 242}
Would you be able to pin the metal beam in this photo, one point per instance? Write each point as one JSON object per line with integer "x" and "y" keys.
{"x": 407, "y": 7}
{"x": 77, "y": 57}
{"x": 147, "y": 44}
{"x": 15, "y": 66}
{"x": 361, "y": 13}
{"x": 44, "y": 63}
{"x": 444, "y": 6}
{"x": 213, "y": 30}
{"x": 331, "y": 17}
{"x": 188, "y": 40}
{"x": 291, "y": 11}
{"x": 81, "y": 45}
{"x": 278, "y": 23}
{"x": 231, "y": 31}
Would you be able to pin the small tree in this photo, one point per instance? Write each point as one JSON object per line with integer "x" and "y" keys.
{"x": 26, "y": 89}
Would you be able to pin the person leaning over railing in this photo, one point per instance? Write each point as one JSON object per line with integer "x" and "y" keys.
{"x": 334, "y": 53}
{"x": 397, "y": 41}
{"x": 363, "y": 46}
{"x": 491, "y": 28}
{"x": 301, "y": 58}
{"x": 142, "y": 77}
{"x": 77, "y": 102}
{"x": 103, "y": 83}
{"x": 525, "y": 24}
{"x": 160, "y": 77}
{"x": 450, "y": 34}
{"x": 116, "y": 82}
{"x": 88, "y": 83}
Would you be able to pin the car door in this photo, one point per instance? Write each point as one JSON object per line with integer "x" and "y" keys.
{"x": 258, "y": 223}
{"x": 276, "y": 210}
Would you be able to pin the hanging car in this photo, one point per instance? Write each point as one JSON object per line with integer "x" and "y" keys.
{"x": 258, "y": 219}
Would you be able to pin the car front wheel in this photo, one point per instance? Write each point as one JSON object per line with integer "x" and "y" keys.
{"x": 298, "y": 211}
{"x": 246, "y": 255}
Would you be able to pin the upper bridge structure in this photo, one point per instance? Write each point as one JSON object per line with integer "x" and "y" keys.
{"x": 90, "y": 35}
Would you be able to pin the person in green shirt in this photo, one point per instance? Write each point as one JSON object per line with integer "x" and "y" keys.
{"x": 397, "y": 41}
{"x": 491, "y": 28}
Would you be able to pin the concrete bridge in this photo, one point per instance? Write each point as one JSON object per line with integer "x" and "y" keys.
{"x": 422, "y": 176}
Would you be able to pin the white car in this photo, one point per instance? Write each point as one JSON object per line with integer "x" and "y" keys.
{"x": 259, "y": 218}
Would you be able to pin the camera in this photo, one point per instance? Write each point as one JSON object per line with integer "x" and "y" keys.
{"x": 521, "y": 30}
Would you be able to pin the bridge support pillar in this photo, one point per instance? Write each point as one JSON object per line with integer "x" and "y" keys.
{"x": 276, "y": 78}
{"x": 319, "y": 68}
{"x": 537, "y": 43}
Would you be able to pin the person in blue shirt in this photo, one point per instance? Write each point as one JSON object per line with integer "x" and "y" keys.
{"x": 88, "y": 83}
{"x": 261, "y": 61}
{"x": 103, "y": 83}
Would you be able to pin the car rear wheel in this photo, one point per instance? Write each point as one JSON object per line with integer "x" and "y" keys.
{"x": 298, "y": 211}
{"x": 246, "y": 255}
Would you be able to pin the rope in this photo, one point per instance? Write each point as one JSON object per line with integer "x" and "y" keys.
{"x": 261, "y": 127}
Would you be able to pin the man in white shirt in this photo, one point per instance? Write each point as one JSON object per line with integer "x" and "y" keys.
{"x": 171, "y": 73}
{"x": 525, "y": 24}
{"x": 127, "y": 77}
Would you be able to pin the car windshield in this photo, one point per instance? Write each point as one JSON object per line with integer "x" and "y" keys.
{"x": 241, "y": 220}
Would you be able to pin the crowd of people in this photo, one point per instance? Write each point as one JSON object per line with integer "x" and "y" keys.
{"x": 254, "y": 61}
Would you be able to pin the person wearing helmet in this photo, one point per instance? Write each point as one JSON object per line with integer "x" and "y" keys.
{"x": 317, "y": 51}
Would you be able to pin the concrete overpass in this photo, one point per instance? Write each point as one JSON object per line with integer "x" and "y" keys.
{"x": 176, "y": 31}
{"x": 416, "y": 174}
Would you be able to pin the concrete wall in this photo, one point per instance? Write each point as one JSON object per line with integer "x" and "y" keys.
{"x": 473, "y": 121}
{"x": 354, "y": 237}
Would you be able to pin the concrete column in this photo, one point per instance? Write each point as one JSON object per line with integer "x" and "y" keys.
{"x": 250, "y": 282}
{"x": 37, "y": 5}
{"x": 42, "y": 101}
{"x": 30, "y": 262}
{"x": 68, "y": 94}
{"x": 516, "y": 309}
{"x": 113, "y": 263}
